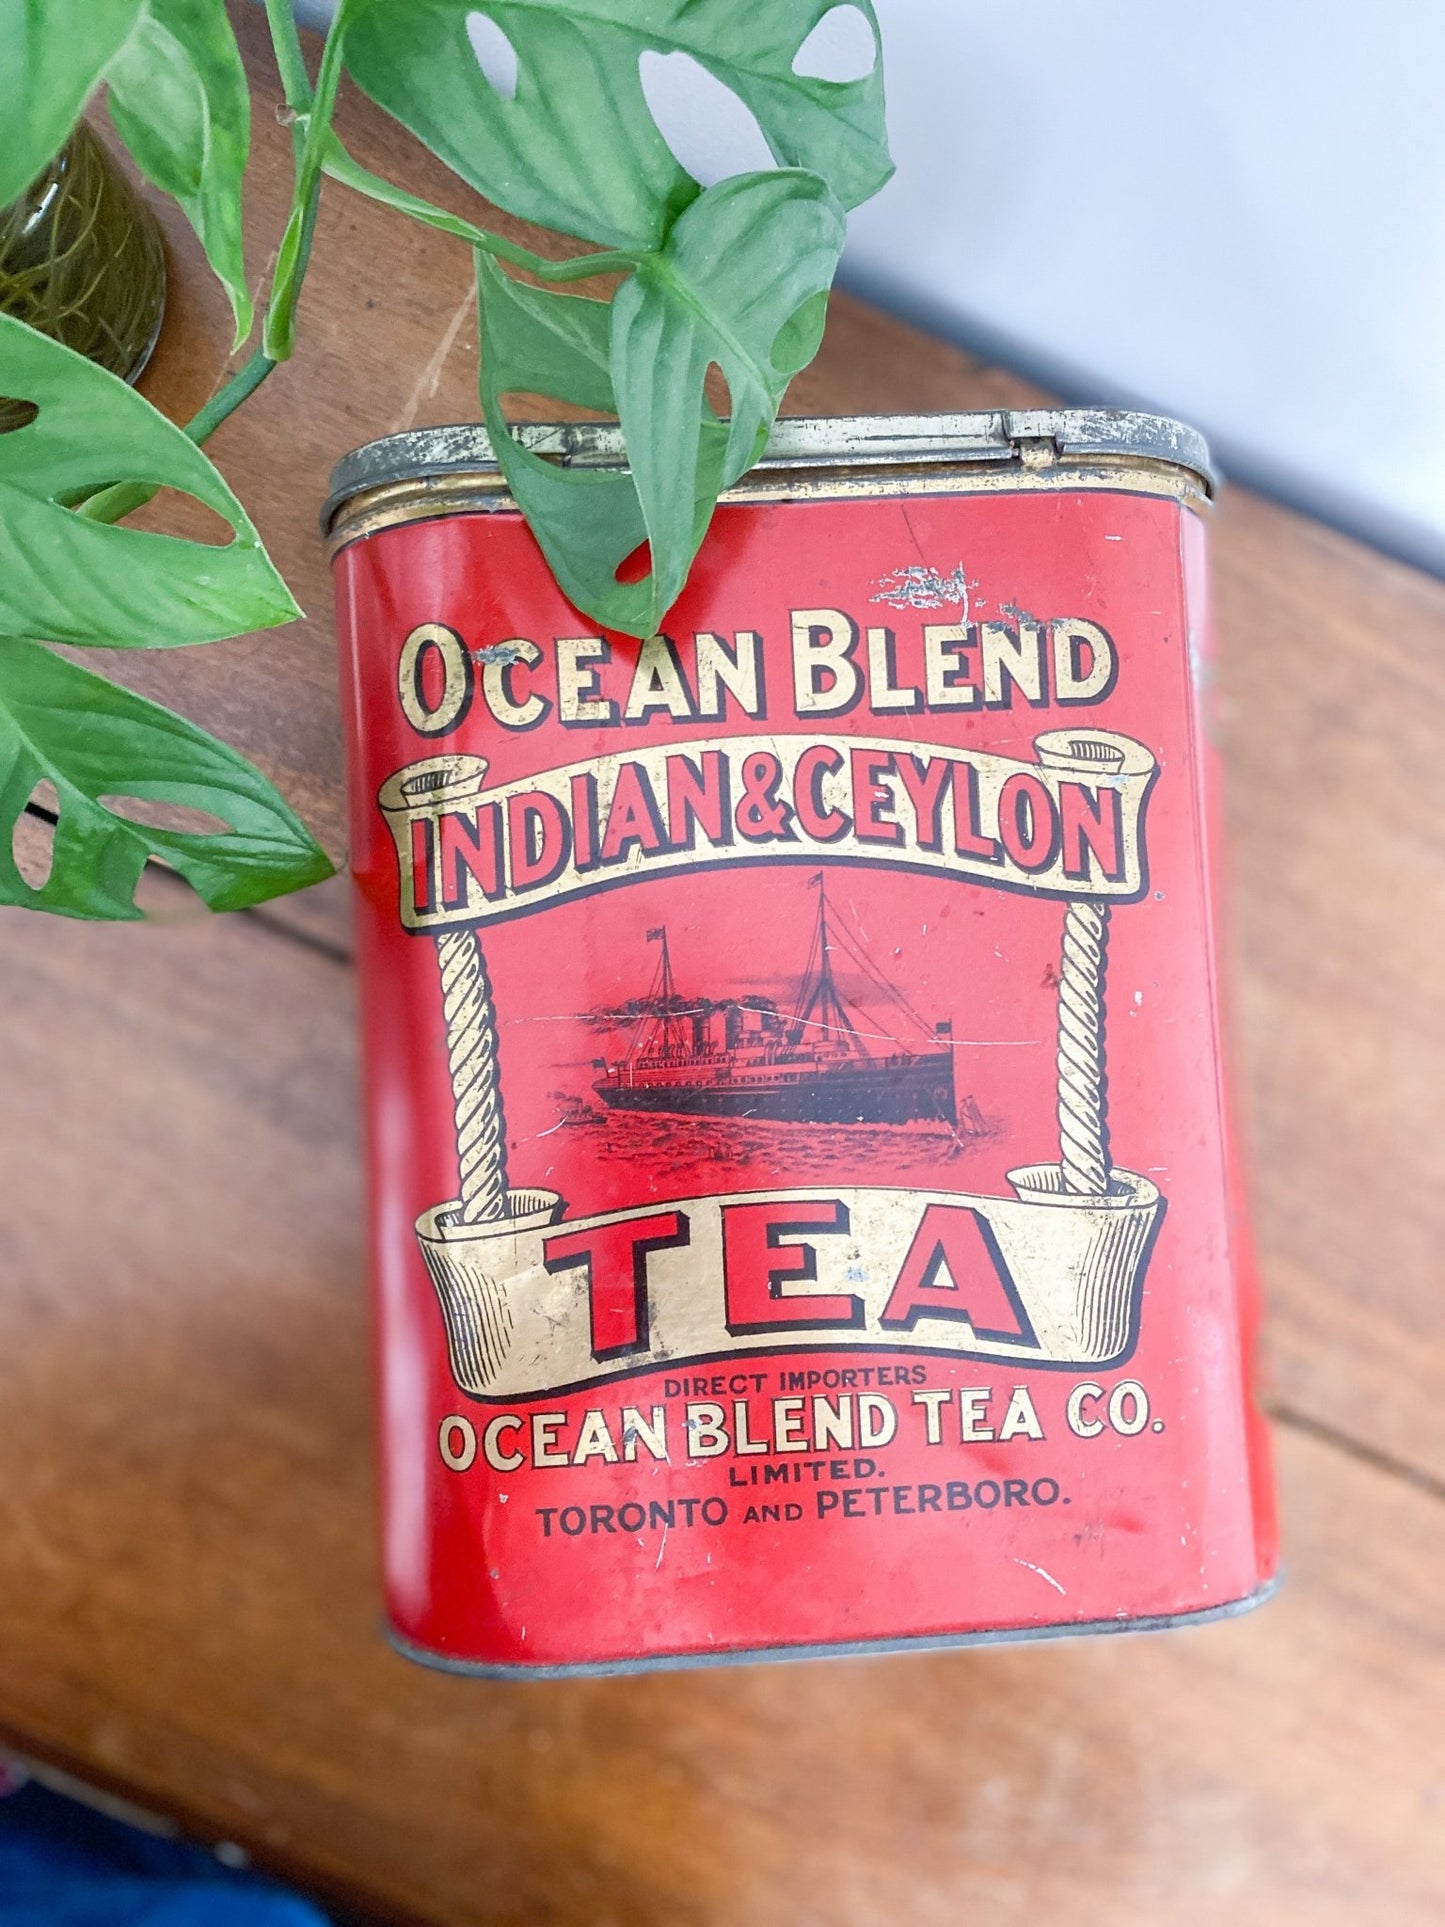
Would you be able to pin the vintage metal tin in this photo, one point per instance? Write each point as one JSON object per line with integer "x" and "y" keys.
{"x": 801, "y": 1195}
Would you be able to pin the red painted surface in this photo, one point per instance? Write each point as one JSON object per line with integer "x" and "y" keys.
{"x": 906, "y": 1539}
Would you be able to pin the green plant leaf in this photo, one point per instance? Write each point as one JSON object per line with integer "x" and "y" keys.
{"x": 587, "y": 521}
{"x": 69, "y": 579}
{"x": 550, "y": 344}
{"x": 557, "y": 345}
{"x": 181, "y": 103}
{"x": 577, "y": 148}
{"x": 52, "y": 53}
{"x": 313, "y": 131}
{"x": 742, "y": 282}
{"x": 92, "y": 739}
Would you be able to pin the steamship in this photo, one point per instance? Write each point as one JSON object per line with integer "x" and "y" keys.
{"x": 744, "y": 1058}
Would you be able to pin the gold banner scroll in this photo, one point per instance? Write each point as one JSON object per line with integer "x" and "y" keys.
{"x": 450, "y": 829}
{"x": 516, "y": 1329}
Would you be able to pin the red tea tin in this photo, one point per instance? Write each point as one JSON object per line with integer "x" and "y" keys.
{"x": 801, "y": 1194}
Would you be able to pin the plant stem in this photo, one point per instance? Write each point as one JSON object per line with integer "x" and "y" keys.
{"x": 312, "y": 127}
{"x": 110, "y": 504}
{"x": 243, "y": 384}
{"x": 578, "y": 267}
{"x": 290, "y": 62}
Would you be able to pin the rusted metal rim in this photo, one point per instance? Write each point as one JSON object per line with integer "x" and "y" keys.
{"x": 442, "y": 460}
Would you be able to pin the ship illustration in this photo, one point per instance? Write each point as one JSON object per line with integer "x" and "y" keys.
{"x": 743, "y": 1057}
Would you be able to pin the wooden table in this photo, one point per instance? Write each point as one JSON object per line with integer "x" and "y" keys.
{"x": 186, "y": 1552}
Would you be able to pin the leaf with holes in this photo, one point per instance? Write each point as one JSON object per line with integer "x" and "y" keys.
{"x": 556, "y": 345}
{"x": 66, "y": 579}
{"x": 742, "y": 282}
{"x": 587, "y": 521}
{"x": 61, "y": 724}
{"x": 52, "y": 53}
{"x": 575, "y": 146}
{"x": 180, "y": 102}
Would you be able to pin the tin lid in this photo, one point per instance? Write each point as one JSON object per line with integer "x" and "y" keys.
{"x": 798, "y": 442}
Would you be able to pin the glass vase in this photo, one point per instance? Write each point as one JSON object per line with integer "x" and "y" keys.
{"x": 82, "y": 260}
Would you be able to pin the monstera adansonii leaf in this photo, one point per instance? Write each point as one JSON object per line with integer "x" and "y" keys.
{"x": 64, "y": 578}
{"x": 92, "y": 740}
{"x": 575, "y": 147}
{"x": 741, "y": 283}
{"x": 52, "y": 53}
{"x": 180, "y": 102}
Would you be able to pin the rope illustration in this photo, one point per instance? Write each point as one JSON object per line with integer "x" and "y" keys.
{"x": 471, "y": 1021}
{"x": 1083, "y": 1132}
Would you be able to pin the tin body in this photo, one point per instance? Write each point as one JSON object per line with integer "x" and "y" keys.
{"x": 801, "y": 1198}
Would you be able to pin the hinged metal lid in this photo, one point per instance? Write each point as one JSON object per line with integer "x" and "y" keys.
{"x": 798, "y": 441}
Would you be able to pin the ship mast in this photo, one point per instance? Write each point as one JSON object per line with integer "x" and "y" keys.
{"x": 820, "y": 1003}
{"x": 670, "y": 1025}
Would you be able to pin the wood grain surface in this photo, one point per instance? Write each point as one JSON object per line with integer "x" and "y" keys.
{"x": 186, "y": 1551}
{"x": 186, "y": 1562}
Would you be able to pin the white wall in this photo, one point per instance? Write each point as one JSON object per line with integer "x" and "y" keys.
{"x": 1230, "y": 210}
{"x": 1234, "y": 211}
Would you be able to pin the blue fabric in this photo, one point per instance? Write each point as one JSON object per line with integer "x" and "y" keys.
{"x": 63, "y": 1865}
